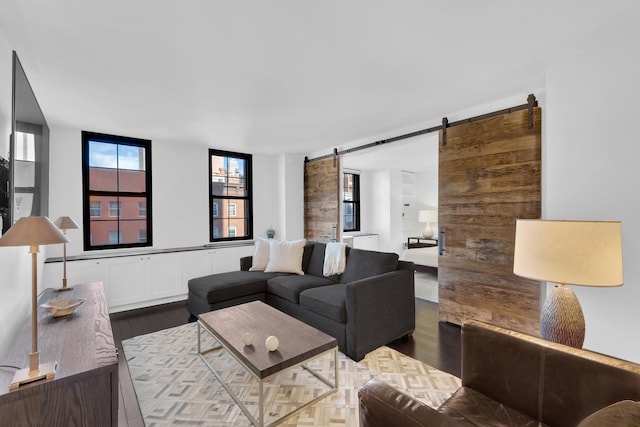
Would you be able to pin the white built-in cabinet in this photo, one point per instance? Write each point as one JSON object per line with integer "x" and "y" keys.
{"x": 135, "y": 281}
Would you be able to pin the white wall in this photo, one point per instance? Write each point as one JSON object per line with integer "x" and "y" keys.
{"x": 591, "y": 163}
{"x": 180, "y": 190}
{"x": 15, "y": 263}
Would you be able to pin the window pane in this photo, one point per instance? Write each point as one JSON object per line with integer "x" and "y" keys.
{"x": 130, "y": 230}
{"x": 103, "y": 155}
{"x": 100, "y": 232}
{"x": 228, "y": 176}
{"x": 132, "y": 181}
{"x": 142, "y": 208}
{"x": 103, "y": 179}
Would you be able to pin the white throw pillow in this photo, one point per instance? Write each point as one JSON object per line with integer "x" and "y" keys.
{"x": 260, "y": 256}
{"x": 285, "y": 256}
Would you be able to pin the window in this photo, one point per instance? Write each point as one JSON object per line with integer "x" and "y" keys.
{"x": 116, "y": 171}
{"x": 230, "y": 188}
{"x": 114, "y": 237}
{"x": 95, "y": 209}
{"x": 115, "y": 209}
{"x": 351, "y": 202}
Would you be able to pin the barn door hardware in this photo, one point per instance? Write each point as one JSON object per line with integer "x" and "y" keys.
{"x": 445, "y": 123}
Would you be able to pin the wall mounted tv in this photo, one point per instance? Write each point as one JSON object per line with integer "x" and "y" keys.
{"x": 28, "y": 165}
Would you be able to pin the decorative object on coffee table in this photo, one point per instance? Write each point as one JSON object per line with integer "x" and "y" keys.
{"x": 247, "y": 338}
{"x": 272, "y": 343}
{"x": 65, "y": 223}
{"x": 33, "y": 231}
{"x": 585, "y": 253}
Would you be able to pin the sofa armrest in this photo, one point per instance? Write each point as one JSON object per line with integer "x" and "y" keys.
{"x": 245, "y": 263}
{"x": 381, "y": 405}
{"x": 379, "y": 309}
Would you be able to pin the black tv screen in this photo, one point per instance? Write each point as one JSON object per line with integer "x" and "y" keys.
{"x": 28, "y": 165}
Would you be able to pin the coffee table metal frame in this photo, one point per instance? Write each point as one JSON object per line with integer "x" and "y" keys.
{"x": 333, "y": 386}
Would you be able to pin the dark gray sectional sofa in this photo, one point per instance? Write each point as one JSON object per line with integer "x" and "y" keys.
{"x": 370, "y": 304}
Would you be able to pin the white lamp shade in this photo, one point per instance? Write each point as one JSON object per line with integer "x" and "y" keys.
{"x": 33, "y": 230}
{"x": 66, "y": 223}
{"x": 427, "y": 215}
{"x": 587, "y": 253}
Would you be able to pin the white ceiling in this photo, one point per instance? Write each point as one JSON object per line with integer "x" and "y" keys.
{"x": 287, "y": 75}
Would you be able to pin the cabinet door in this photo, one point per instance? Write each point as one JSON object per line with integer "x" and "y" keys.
{"x": 196, "y": 264}
{"x": 78, "y": 273}
{"x": 123, "y": 280}
{"x": 163, "y": 276}
{"x": 228, "y": 259}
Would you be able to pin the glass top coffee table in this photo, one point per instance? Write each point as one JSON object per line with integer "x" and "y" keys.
{"x": 299, "y": 344}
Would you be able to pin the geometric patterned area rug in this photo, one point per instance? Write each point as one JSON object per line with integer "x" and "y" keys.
{"x": 175, "y": 387}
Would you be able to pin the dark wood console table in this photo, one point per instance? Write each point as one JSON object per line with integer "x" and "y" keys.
{"x": 84, "y": 391}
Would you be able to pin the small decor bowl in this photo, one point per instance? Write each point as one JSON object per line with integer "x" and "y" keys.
{"x": 62, "y": 307}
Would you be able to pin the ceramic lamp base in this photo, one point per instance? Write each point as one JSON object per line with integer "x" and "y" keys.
{"x": 427, "y": 233}
{"x": 562, "y": 320}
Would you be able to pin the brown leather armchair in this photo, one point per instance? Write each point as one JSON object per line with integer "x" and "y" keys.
{"x": 513, "y": 379}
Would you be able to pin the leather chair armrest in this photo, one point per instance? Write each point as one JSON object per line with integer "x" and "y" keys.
{"x": 381, "y": 405}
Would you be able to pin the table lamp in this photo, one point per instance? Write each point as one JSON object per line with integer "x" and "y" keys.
{"x": 585, "y": 253}
{"x": 33, "y": 231}
{"x": 65, "y": 223}
{"x": 427, "y": 216}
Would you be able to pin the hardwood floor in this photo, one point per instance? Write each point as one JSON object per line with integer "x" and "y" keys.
{"x": 434, "y": 343}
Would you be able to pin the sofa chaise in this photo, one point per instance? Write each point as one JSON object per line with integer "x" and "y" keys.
{"x": 370, "y": 304}
{"x": 513, "y": 379}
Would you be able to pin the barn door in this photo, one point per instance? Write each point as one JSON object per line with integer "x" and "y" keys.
{"x": 489, "y": 175}
{"x": 322, "y": 200}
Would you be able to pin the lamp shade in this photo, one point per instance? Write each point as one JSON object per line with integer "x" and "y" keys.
{"x": 586, "y": 253}
{"x": 427, "y": 215}
{"x": 66, "y": 223}
{"x": 33, "y": 230}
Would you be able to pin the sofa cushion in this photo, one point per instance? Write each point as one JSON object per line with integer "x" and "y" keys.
{"x": 289, "y": 287}
{"x": 285, "y": 256}
{"x": 625, "y": 413}
{"x": 234, "y": 284}
{"x": 316, "y": 262}
{"x": 478, "y": 409}
{"x": 362, "y": 264}
{"x": 328, "y": 301}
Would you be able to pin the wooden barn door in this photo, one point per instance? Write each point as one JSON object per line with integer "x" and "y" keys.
{"x": 322, "y": 200}
{"x": 489, "y": 175}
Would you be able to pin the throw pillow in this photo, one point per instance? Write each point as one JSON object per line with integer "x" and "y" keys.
{"x": 285, "y": 256}
{"x": 260, "y": 256}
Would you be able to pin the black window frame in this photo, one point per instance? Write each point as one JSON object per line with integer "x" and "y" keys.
{"x": 355, "y": 203}
{"x": 248, "y": 199}
{"x": 87, "y": 192}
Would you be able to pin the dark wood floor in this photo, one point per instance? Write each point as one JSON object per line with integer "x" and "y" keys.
{"x": 435, "y": 343}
